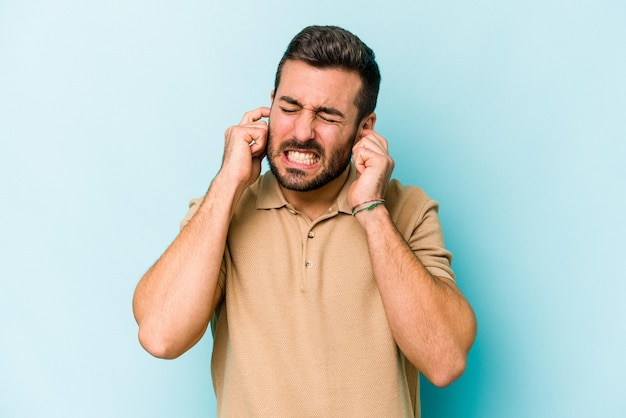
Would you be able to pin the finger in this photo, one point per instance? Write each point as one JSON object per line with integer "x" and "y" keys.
{"x": 369, "y": 146}
{"x": 251, "y": 135}
{"x": 255, "y": 136}
{"x": 257, "y": 145}
{"x": 255, "y": 115}
{"x": 373, "y": 137}
{"x": 363, "y": 156}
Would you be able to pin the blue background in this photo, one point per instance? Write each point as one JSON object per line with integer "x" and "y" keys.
{"x": 511, "y": 114}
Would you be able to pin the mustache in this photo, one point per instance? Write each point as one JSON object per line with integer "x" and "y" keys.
{"x": 302, "y": 146}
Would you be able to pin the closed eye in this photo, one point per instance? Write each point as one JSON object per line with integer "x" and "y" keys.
{"x": 288, "y": 110}
{"x": 327, "y": 119}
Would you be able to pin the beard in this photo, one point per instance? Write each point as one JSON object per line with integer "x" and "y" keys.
{"x": 294, "y": 179}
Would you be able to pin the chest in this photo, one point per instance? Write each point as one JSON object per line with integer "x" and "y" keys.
{"x": 284, "y": 253}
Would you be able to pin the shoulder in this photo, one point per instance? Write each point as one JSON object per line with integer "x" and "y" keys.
{"x": 247, "y": 202}
{"x": 402, "y": 198}
{"x": 408, "y": 205}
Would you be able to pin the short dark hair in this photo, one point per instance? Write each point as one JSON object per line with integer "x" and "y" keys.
{"x": 334, "y": 47}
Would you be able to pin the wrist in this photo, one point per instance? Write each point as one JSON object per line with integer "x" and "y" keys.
{"x": 367, "y": 205}
{"x": 374, "y": 219}
{"x": 230, "y": 181}
{"x": 226, "y": 189}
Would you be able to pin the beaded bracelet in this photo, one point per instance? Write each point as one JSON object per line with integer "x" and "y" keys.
{"x": 374, "y": 203}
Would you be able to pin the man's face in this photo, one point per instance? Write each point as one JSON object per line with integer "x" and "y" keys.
{"x": 313, "y": 125}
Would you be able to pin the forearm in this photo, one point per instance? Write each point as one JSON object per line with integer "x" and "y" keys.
{"x": 430, "y": 319}
{"x": 174, "y": 301}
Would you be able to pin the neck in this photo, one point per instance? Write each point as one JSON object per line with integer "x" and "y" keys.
{"x": 316, "y": 202}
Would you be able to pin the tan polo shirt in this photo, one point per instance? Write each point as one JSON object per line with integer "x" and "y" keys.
{"x": 301, "y": 331}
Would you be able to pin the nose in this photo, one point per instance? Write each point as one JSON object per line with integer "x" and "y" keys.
{"x": 303, "y": 126}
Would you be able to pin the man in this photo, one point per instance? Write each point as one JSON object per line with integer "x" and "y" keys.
{"x": 328, "y": 283}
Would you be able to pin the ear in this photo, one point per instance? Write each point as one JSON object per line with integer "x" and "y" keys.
{"x": 272, "y": 94}
{"x": 367, "y": 123}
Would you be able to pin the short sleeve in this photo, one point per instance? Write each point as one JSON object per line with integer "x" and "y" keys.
{"x": 416, "y": 218}
{"x": 428, "y": 244}
{"x": 194, "y": 204}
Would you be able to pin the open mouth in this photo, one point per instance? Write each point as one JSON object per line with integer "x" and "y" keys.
{"x": 302, "y": 157}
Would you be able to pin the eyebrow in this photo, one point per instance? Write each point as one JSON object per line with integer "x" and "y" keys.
{"x": 321, "y": 109}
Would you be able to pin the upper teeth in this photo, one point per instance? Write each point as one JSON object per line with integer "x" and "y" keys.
{"x": 301, "y": 157}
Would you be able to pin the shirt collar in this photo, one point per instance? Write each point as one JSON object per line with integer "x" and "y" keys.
{"x": 270, "y": 195}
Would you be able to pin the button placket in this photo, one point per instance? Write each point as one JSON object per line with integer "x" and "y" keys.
{"x": 309, "y": 263}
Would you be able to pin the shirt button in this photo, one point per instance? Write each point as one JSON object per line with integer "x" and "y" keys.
{"x": 309, "y": 264}
{"x": 311, "y": 234}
